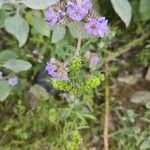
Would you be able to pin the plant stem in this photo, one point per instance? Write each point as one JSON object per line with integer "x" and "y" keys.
{"x": 106, "y": 119}
{"x": 79, "y": 39}
{"x": 78, "y": 44}
{"x": 128, "y": 47}
{"x": 120, "y": 51}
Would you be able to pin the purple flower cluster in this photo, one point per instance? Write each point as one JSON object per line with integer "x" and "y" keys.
{"x": 79, "y": 9}
{"x": 12, "y": 81}
{"x": 92, "y": 57}
{"x": 54, "y": 16}
{"x": 97, "y": 27}
{"x": 57, "y": 70}
{"x": 76, "y": 10}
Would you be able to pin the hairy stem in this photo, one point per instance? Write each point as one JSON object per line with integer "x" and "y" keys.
{"x": 79, "y": 39}
{"x": 78, "y": 44}
{"x": 106, "y": 119}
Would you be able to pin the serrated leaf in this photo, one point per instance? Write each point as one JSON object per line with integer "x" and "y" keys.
{"x": 4, "y": 90}
{"x": 123, "y": 9}
{"x": 39, "y": 4}
{"x": 18, "y": 27}
{"x": 74, "y": 31}
{"x": 58, "y": 34}
{"x": 145, "y": 9}
{"x": 17, "y": 65}
{"x": 41, "y": 26}
{"x": 6, "y": 55}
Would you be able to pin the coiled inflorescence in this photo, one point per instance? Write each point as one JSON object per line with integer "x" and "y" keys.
{"x": 57, "y": 70}
{"x": 78, "y": 10}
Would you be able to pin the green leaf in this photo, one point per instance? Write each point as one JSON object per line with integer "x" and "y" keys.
{"x": 2, "y": 2}
{"x": 74, "y": 32}
{"x": 5, "y": 90}
{"x": 3, "y": 16}
{"x": 18, "y": 27}
{"x": 58, "y": 34}
{"x": 145, "y": 145}
{"x": 123, "y": 9}
{"x": 39, "y": 4}
{"x": 41, "y": 26}
{"x": 145, "y": 9}
{"x": 6, "y": 55}
{"x": 17, "y": 65}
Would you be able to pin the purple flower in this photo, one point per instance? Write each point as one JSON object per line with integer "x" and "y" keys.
{"x": 92, "y": 57}
{"x": 85, "y": 4}
{"x": 103, "y": 29}
{"x": 92, "y": 26}
{"x": 57, "y": 70}
{"x": 51, "y": 17}
{"x": 77, "y": 11}
{"x": 12, "y": 81}
{"x": 97, "y": 27}
{"x": 1, "y": 74}
{"x": 54, "y": 16}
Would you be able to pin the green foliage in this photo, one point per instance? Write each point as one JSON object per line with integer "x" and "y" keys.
{"x": 41, "y": 26}
{"x": 76, "y": 85}
{"x": 94, "y": 81}
{"x": 145, "y": 9}
{"x": 123, "y": 9}
{"x": 73, "y": 30}
{"x": 75, "y": 64}
{"x": 6, "y": 55}
{"x": 38, "y": 4}
{"x": 61, "y": 85}
{"x": 144, "y": 57}
{"x": 65, "y": 114}
{"x": 58, "y": 34}
{"x": 75, "y": 142}
{"x": 17, "y": 26}
{"x": 17, "y": 65}
{"x": 5, "y": 90}
{"x": 2, "y": 2}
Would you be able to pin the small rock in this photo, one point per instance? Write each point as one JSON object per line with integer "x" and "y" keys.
{"x": 147, "y": 77}
{"x": 141, "y": 97}
{"x": 130, "y": 79}
{"x": 35, "y": 94}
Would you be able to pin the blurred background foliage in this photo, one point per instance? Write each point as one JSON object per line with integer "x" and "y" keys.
{"x": 35, "y": 115}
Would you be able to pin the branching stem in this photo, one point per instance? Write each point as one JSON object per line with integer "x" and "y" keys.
{"x": 106, "y": 119}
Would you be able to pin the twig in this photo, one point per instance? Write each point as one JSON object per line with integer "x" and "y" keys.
{"x": 128, "y": 47}
{"x": 106, "y": 119}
